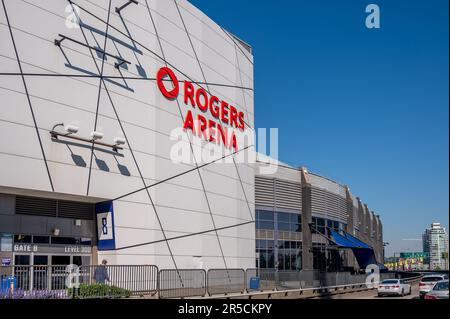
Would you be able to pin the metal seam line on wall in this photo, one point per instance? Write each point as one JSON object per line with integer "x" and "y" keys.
{"x": 198, "y": 170}
{"x": 190, "y": 142}
{"x": 220, "y": 121}
{"x": 131, "y": 151}
{"x": 122, "y": 77}
{"x": 185, "y": 236}
{"x": 182, "y": 173}
{"x": 28, "y": 95}
{"x": 99, "y": 93}
{"x": 149, "y": 50}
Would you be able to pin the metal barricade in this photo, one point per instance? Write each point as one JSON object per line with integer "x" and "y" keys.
{"x": 116, "y": 281}
{"x": 181, "y": 283}
{"x": 52, "y": 281}
{"x": 223, "y": 281}
{"x": 266, "y": 278}
{"x": 33, "y": 282}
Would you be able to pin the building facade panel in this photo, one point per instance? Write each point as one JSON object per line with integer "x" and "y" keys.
{"x": 155, "y": 199}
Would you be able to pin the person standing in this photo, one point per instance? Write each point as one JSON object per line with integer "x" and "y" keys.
{"x": 101, "y": 273}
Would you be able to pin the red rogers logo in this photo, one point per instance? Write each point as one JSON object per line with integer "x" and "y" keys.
{"x": 210, "y": 130}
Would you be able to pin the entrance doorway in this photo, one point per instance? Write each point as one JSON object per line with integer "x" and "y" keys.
{"x": 60, "y": 260}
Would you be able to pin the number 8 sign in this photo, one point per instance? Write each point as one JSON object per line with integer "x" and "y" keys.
{"x": 105, "y": 226}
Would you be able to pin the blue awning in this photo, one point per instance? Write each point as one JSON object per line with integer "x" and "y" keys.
{"x": 365, "y": 257}
{"x": 357, "y": 242}
{"x": 364, "y": 253}
{"x": 340, "y": 240}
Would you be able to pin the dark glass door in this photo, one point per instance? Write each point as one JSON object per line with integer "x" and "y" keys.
{"x": 60, "y": 260}
{"x": 22, "y": 260}
{"x": 77, "y": 260}
{"x": 40, "y": 260}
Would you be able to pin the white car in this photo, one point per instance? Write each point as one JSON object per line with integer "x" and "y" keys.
{"x": 439, "y": 291}
{"x": 396, "y": 287}
{"x": 427, "y": 283}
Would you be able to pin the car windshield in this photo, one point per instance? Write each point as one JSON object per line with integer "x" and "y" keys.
{"x": 390, "y": 281}
{"x": 441, "y": 286}
{"x": 431, "y": 279}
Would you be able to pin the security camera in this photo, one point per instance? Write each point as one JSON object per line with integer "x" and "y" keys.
{"x": 119, "y": 141}
{"x": 96, "y": 135}
{"x": 71, "y": 129}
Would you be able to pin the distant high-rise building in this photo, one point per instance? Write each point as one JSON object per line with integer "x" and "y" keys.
{"x": 435, "y": 246}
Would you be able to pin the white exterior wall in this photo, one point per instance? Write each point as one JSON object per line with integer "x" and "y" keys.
{"x": 143, "y": 116}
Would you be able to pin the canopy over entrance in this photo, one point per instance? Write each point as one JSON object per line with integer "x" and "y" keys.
{"x": 363, "y": 252}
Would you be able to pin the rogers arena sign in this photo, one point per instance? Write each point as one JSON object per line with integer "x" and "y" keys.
{"x": 210, "y": 130}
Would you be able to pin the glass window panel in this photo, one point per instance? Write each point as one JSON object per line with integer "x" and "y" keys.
{"x": 298, "y": 261}
{"x": 283, "y": 217}
{"x": 23, "y": 239}
{"x": 296, "y": 228}
{"x": 287, "y": 261}
{"x": 284, "y": 226}
{"x": 280, "y": 261}
{"x": 263, "y": 260}
{"x": 296, "y": 218}
{"x": 283, "y": 244}
{"x": 270, "y": 244}
{"x": 86, "y": 241}
{"x": 6, "y": 242}
{"x": 65, "y": 240}
{"x": 41, "y": 239}
{"x": 320, "y": 222}
{"x": 265, "y": 225}
{"x": 271, "y": 262}
{"x": 265, "y": 215}
{"x": 263, "y": 244}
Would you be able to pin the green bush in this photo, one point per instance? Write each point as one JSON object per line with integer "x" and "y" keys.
{"x": 98, "y": 291}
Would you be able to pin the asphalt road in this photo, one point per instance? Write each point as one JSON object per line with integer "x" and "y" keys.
{"x": 372, "y": 294}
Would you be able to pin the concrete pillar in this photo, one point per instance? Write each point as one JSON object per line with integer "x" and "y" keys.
{"x": 367, "y": 224}
{"x": 349, "y": 260}
{"x": 372, "y": 226}
{"x": 376, "y": 239}
{"x": 361, "y": 219}
{"x": 380, "y": 233}
{"x": 307, "y": 255}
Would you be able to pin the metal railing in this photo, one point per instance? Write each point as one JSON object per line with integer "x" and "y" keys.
{"x": 224, "y": 281}
{"x": 182, "y": 283}
{"x": 266, "y": 278}
{"x": 52, "y": 281}
{"x": 135, "y": 280}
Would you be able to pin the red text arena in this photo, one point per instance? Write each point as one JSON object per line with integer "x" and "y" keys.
{"x": 226, "y": 116}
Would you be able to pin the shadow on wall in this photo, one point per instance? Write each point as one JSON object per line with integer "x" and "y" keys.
{"x": 101, "y": 164}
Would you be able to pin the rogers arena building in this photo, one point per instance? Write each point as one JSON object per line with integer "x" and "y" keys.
{"x": 116, "y": 117}
{"x": 92, "y": 94}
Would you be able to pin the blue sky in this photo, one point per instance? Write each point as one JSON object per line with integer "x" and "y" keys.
{"x": 366, "y": 107}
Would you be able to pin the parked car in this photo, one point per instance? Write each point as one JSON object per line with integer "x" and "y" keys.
{"x": 397, "y": 287}
{"x": 427, "y": 283}
{"x": 439, "y": 291}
